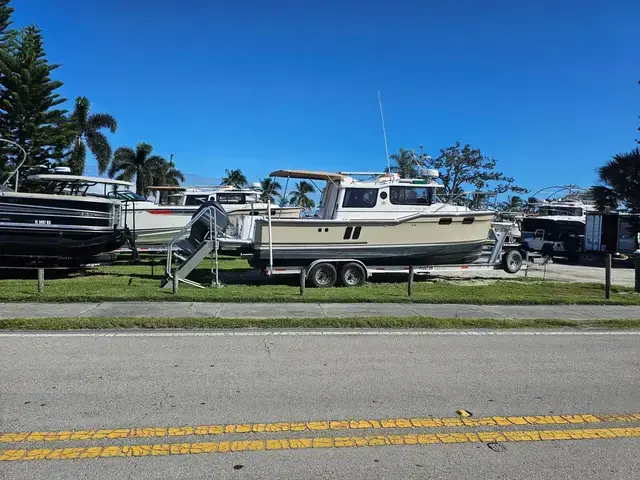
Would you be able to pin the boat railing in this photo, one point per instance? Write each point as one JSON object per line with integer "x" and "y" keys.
{"x": 16, "y": 172}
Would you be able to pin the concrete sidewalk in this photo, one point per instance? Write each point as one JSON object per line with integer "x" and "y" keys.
{"x": 313, "y": 310}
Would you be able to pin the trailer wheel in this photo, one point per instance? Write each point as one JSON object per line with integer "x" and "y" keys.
{"x": 323, "y": 275}
{"x": 352, "y": 275}
{"x": 512, "y": 261}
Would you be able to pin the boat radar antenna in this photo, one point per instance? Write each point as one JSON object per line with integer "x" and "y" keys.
{"x": 421, "y": 162}
{"x": 384, "y": 133}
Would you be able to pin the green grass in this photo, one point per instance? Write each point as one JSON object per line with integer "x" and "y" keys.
{"x": 136, "y": 282}
{"x": 354, "y": 322}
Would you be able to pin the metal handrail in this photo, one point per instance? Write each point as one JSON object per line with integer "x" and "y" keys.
{"x": 210, "y": 209}
{"x": 16, "y": 171}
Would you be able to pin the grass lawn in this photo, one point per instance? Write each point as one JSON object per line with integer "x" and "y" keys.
{"x": 136, "y": 282}
{"x": 361, "y": 322}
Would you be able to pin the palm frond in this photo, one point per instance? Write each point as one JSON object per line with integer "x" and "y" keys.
{"x": 127, "y": 174}
{"x": 123, "y": 158}
{"x": 102, "y": 120}
{"x": 124, "y": 154}
{"x": 80, "y": 113}
{"x": 143, "y": 150}
{"x": 99, "y": 146}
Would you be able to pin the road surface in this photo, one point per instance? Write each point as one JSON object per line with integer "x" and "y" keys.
{"x": 301, "y": 405}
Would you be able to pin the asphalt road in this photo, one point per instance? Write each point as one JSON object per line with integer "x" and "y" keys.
{"x": 67, "y": 383}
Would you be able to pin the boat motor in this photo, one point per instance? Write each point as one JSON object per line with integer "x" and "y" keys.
{"x": 200, "y": 228}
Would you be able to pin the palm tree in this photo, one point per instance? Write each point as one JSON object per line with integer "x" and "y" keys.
{"x": 85, "y": 128}
{"x": 283, "y": 202}
{"x": 300, "y": 196}
{"x": 169, "y": 174}
{"x": 620, "y": 178}
{"x": 515, "y": 203}
{"x": 128, "y": 163}
{"x": 235, "y": 178}
{"x": 404, "y": 163}
{"x": 269, "y": 189}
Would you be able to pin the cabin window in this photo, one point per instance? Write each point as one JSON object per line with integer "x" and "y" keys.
{"x": 468, "y": 220}
{"x": 195, "y": 199}
{"x": 231, "y": 198}
{"x": 411, "y": 195}
{"x": 445, "y": 221}
{"x": 360, "y": 197}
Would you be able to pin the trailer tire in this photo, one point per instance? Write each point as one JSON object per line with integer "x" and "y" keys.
{"x": 512, "y": 261}
{"x": 323, "y": 275}
{"x": 352, "y": 275}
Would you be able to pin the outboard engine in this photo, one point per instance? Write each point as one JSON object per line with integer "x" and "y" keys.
{"x": 200, "y": 229}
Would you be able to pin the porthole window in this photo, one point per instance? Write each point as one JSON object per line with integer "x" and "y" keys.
{"x": 383, "y": 195}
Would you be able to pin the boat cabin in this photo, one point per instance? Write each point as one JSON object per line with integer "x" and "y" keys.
{"x": 384, "y": 196}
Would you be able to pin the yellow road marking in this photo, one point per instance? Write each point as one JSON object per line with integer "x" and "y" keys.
{"x": 317, "y": 442}
{"x": 323, "y": 425}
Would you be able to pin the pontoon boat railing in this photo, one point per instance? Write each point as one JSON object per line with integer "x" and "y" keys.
{"x": 16, "y": 171}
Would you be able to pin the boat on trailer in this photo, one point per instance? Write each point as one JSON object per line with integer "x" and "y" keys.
{"x": 378, "y": 226}
{"x": 385, "y": 220}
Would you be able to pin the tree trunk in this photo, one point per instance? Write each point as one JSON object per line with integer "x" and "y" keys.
{"x": 139, "y": 183}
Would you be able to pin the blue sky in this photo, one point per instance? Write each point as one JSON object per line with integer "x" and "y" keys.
{"x": 548, "y": 88}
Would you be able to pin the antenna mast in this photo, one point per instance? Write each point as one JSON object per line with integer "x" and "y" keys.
{"x": 384, "y": 133}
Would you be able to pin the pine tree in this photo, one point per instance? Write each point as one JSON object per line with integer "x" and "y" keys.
{"x": 5, "y": 18}
{"x": 28, "y": 99}
{"x": 5, "y": 22}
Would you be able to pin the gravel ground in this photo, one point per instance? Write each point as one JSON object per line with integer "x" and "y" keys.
{"x": 560, "y": 272}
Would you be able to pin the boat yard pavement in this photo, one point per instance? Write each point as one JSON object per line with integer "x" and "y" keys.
{"x": 312, "y": 310}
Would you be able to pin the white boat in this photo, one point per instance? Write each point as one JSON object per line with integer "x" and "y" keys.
{"x": 154, "y": 224}
{"x": 386, "y": 220}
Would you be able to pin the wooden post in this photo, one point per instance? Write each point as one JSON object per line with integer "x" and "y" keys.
{"x": 638, "y": 273}
{"x": 607, "y": 276}
{"x": 303, "y": 280}
{"x": 175, "y": 281}
{"x": 41, "y": 281}
{"x": 410, "y": 283}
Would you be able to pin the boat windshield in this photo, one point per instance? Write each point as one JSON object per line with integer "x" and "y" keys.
{"x": 126, "y": 196}
{"x": 551, "y": 210}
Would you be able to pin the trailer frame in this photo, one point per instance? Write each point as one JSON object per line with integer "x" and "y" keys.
{"x": 499, "y": 259}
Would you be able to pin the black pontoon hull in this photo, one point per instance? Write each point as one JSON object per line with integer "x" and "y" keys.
{"x": 58, "y": 242}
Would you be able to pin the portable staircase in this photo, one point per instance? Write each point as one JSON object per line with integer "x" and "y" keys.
{"x": 185, "y": 251}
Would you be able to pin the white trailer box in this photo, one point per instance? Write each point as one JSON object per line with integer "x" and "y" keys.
{"x": 611, "y": 232}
